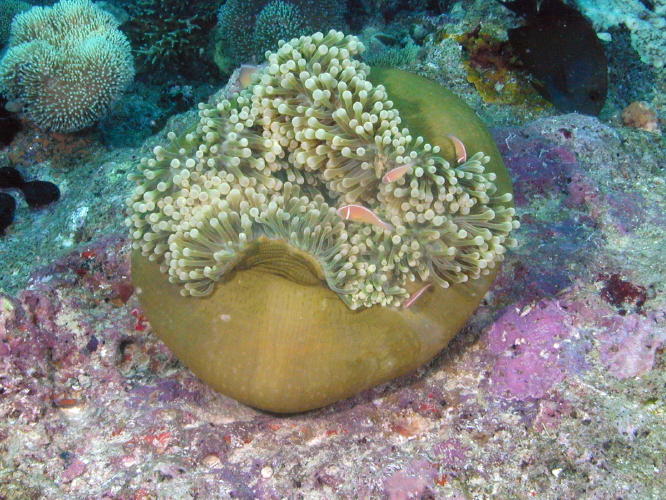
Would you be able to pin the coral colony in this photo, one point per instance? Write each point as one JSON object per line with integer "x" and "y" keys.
{"x": 78, "y": 36}
{"x": 265, "y": 22}
{"x": 313, "y": 154}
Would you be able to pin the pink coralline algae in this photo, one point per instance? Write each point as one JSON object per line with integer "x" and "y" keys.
{"x": 551, "y": 412}
{"x": 582, "y": 192}
{"x": 624, "y": 212}
{"x": 538, "y": 166}
{"x": 532, "y": 350}
{"x": 451, "y": 453}
{"x": 629, "y": 344}
{"x": 74, "y": 470}
{"x": 413, "y": 481}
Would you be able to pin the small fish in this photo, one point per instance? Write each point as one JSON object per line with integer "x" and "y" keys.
{"x": 559, "y": 46}
{"x": 359, "y": 213}
{"x": 395, "y": 173}
{"x": 415, "y": 296}
{"x": 461, "y": 151}
{"x": 246, "y": 75}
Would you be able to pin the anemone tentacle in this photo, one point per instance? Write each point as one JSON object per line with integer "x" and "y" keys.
{"x": 288, "y": 158}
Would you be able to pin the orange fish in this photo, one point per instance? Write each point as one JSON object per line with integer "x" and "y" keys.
{"x": 461, "y": 152}
{"x": 395, "y": 174}
{"x": 359, "y": 213}
{"x": 414, "y": 297}
{"x": 245, "y": 75}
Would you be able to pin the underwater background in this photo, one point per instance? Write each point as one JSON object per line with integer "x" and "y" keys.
{"x": 554, "y": 389}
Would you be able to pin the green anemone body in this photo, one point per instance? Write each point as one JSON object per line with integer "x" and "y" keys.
{"x": 274, "y": 342}
{"x": 273, "y": 335}
{"x": 430, "y": 110}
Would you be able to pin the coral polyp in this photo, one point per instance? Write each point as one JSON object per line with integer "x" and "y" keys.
{"x": 315, "y": 155}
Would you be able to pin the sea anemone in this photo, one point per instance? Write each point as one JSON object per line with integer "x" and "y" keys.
{"x": 314, "y": 155}
{"x": 311, "y": 176}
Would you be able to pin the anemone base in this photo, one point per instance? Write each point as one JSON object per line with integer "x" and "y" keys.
{"x": 285, "y": 347}
{"x": 274, "y": 336}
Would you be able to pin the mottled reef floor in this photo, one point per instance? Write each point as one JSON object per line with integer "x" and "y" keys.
{"x": 555, "y": 389}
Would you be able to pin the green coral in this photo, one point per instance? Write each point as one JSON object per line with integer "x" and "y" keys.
{"x": 66, "y": 64}
{"x": 278, "y": 21}
{"x": 247, "y": 28}
{"x": 313, "y": 154}
{"x": 171, "y": 34}
{"x": 9, "y": 9}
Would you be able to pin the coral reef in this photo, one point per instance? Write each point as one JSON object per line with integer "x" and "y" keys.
{"x": 32, "y": 146}
{"x": 171, "y": 35}
{"x": 493, "y": 69}
{"x": 8, "y": 10}
{"x": 646, "y": 24}
{"x": 255, "y": 163}
{"x": 65, "y": 64}
{"x": 265, "y": 22}
{"x": 94, "y": 405}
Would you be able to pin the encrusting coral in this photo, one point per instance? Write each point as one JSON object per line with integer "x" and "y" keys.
{"x": 313, "y": 154}
{"x": 65, "y": 64}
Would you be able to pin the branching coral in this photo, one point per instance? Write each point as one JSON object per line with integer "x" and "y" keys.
{"x": 66, "y": 64}
{"x": 314, "y": 154}
{"x": 247, "y": 28}
{"x": 168, "y": 33}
